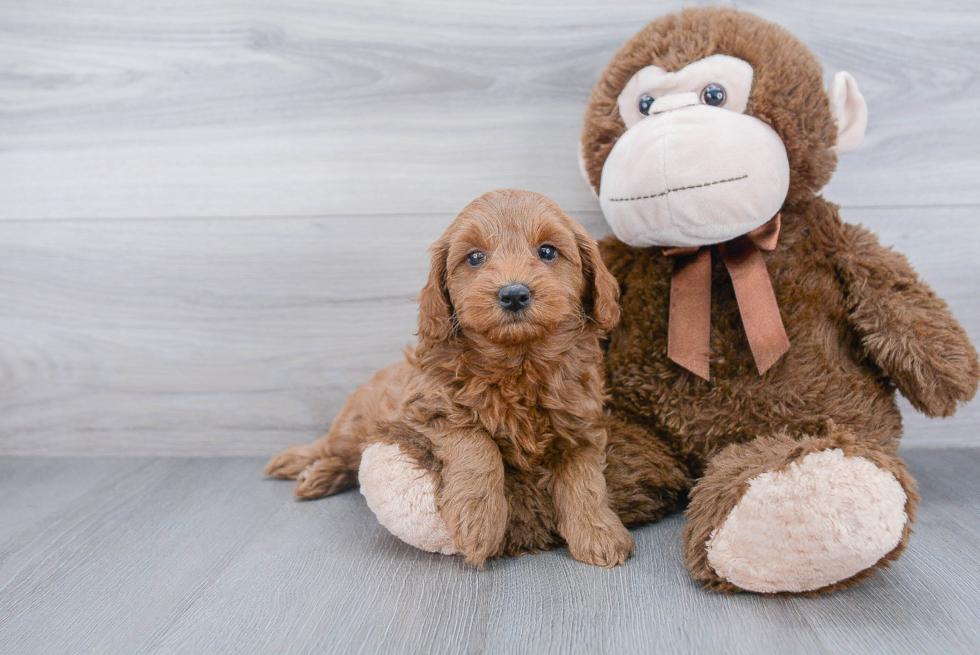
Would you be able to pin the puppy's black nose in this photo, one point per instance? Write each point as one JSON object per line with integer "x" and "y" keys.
{"x": 514, "y": 297}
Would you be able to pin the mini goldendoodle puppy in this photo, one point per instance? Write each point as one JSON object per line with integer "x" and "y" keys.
{"x": 489, "y": 438}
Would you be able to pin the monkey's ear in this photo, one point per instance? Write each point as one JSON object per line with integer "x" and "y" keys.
{"x": 435, "y": 306}
{"x": 601, "y": 296}
{"x": 849, "y": 110}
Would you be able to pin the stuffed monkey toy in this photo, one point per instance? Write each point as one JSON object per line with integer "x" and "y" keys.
{"x": 762, "y": 339}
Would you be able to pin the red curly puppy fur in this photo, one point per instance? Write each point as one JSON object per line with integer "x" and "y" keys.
{"x": 501, "y": 403}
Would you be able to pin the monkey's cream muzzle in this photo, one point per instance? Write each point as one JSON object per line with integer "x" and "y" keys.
{"x": 692, "y": 175}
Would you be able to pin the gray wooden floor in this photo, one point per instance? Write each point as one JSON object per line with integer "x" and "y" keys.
{"x": 170, "y": 555}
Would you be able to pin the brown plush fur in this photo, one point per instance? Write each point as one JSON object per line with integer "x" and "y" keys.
{"x": 503, "y": 409}
{"x": 860, "y": 321}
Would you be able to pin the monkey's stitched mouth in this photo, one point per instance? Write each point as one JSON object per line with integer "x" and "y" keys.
{"x": 680, "y": 188}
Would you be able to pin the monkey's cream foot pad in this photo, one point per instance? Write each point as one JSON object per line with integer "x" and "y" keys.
{"x": 402, "y": 496}
{"x": 821, "y": 520}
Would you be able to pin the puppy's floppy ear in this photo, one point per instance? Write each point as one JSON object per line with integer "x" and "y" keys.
{"x": 435, "y": 305}
{"x": 601, "y": 296}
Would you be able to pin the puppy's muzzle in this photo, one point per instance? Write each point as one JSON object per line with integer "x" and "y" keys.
{"x": 514, "y": 297}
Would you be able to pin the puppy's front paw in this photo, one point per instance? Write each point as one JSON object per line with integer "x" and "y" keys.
{"x": 478, "y": 529}
{"x": 605, "y": 543}
{"x": 479, "y": 545}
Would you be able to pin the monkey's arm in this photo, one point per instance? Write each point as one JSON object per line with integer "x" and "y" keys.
{"x": 905, "y": 328}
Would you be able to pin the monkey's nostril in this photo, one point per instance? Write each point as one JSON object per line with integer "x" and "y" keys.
{"x": 514, "y": 297}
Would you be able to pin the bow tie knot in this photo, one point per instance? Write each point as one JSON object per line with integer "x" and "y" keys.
{"x": 689, "y": 334}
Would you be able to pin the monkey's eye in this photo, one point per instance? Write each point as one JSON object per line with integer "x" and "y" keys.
{"x": 714, "y": 95}
{"x": 547, "y": 253}
{"x": 476, "y": 258}
{"x": 646, "y": 101}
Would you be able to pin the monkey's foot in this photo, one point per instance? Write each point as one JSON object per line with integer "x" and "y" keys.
{"x": 781, "y": 515}
{"x": 402, "y": 494}
{"x": 817, "y": 522}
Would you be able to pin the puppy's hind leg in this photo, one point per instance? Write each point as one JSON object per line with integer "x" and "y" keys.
{"x": 332, "y": 460}
{"x": 290, "y": 463}
{"x": 318, "y": 473}
{"x": 325, "y": 477}
{"x": 329, "y": 465}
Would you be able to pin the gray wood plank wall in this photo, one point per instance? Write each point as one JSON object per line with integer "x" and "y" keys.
{"x": 214, "y": 213}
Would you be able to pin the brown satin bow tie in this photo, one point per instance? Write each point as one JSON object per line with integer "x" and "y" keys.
{"x": 689, "y": 334}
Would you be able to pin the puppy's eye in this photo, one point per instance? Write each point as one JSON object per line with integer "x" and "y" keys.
{"x": 714, "y": 95}
{"x": 547, "y": 253}
{"x": 476, "y": 259}
{"x": 646, "y": 101}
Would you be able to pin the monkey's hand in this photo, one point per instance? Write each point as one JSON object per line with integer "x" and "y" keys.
{"x": 905, "y": 328}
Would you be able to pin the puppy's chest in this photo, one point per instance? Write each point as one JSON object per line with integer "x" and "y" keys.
{"x": 524, "y": 441}
{"x": 525, "y": 431}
